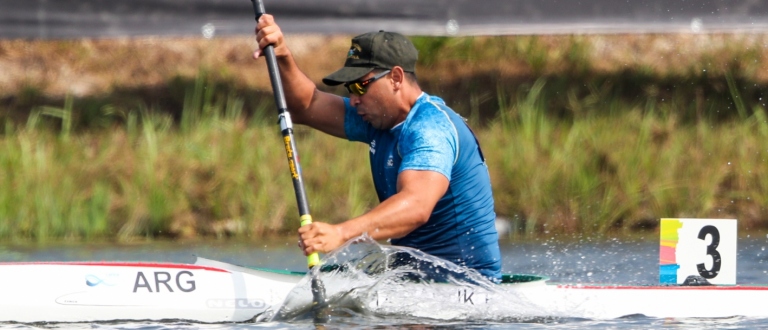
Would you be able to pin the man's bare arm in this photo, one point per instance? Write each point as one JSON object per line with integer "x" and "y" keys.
{"x": 409, "y": 208}
{"x": 307, "y": 105}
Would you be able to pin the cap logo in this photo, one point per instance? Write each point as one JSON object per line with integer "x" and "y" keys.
{"x": 354, "y": 51}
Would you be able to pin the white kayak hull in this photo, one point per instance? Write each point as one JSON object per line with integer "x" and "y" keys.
{"x": 105, "y": 291}
{"x": 594, "y": 302}
{"x": 210, "y": 291}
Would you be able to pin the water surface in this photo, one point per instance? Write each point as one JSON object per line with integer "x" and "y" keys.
{"x": 577, "y": 260}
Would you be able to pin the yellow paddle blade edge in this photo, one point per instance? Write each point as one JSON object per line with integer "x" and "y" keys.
{"x": 312, "y": 259}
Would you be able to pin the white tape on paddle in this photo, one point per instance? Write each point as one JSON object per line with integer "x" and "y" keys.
{"x": 700, "y": 247}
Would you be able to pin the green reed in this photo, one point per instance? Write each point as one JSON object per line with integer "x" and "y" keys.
{"x": 226, "y": 175}
{"x": 622, "y": 172}
{"x": 571, "y": 148}
{"x": 216, "y": 173}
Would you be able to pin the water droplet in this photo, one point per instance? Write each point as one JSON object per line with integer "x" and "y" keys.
{"x": 696, "y": 25}
{"x": 208, "y": 30}
{"x": 452, "y": 27}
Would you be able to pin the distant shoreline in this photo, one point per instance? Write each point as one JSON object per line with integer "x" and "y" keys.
{"x": 176, "y": 138}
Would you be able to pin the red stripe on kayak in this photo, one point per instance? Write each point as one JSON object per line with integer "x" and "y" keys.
{"x": 116, "y": 264}
{"x": 657, "y": 287}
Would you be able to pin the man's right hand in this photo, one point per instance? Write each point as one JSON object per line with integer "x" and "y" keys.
{"x": 267, "y": 32}
{"x": 321, "y": 237}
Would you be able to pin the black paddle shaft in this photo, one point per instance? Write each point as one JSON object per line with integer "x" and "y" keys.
{"x": 286, "y": 125}
{"x": 320, "y": 306}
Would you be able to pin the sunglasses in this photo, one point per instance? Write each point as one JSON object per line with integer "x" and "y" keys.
{"x": 358, "y": 87}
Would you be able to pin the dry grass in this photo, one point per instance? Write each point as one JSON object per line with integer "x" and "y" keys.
{"x": 95, "y": 66}
{"x": 88, "y": 67}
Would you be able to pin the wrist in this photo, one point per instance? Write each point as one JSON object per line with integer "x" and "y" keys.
{"x": 345, "y": 231}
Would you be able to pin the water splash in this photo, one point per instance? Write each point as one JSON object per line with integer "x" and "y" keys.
{"x": 366, "y": 280}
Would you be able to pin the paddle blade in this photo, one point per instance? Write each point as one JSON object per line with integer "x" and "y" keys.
{"x": 320, "y": 307}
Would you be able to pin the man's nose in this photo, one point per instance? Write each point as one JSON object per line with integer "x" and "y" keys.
{"x": 354, "y": 99}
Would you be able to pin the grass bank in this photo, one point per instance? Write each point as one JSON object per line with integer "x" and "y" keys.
{"x": 177, "y": 138}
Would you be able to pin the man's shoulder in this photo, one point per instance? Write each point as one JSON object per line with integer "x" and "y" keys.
{"x": 430, "y": 102}
{"x": 430, "y": 126}
{"x": 430, "y": 111}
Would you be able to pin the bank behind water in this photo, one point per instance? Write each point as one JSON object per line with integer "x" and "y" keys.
{"x": 185, "y": 144}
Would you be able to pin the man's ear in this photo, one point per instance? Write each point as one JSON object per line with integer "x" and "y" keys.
{"x": 398, "y": 77}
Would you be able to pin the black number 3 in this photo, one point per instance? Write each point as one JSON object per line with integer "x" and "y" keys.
{"x": 712, "y": 251}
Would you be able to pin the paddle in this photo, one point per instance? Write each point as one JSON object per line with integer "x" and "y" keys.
{"x": 319, "y": 301}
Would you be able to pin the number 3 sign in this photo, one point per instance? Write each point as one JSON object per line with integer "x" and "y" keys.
{"x": 703, "y": 247}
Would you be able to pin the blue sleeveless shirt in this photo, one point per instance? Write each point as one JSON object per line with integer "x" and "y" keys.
{"x": 435, "y": 138}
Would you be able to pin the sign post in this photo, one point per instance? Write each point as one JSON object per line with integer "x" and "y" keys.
{"x": 699, "y": 247}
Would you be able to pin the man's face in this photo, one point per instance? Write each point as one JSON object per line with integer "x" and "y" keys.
{"x": 375, "y": 106}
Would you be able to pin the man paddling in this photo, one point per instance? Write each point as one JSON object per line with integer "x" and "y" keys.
{"x": 427, "y": 166}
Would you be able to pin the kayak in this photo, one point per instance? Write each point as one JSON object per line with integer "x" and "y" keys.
{"x": 206, "y": 291}
{"x": 209, "y": 291}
